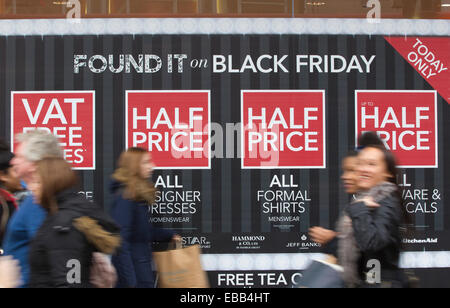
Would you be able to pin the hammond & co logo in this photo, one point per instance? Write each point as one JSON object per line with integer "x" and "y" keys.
{"x": 248, "y": 242}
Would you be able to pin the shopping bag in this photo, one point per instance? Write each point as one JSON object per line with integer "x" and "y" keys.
{"x": 180, "y": 268}
{"x": 322, "y": 274}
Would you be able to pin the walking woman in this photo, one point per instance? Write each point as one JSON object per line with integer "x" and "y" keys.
{"x": 62, "y": 250}
{"x": 328, "y": 239}
{"x": 370, "y": 230}
{"x": 133, "y": 193}
{"x": 9, "y": 184}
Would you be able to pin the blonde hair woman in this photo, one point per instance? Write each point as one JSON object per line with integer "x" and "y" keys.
{"x": 133, "y": 193}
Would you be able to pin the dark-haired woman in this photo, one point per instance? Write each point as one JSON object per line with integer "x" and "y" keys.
{"x": 7, "y": 208}
{"x": 133, "y": 193}
{"x": 369, "y": 233}
{"x": 9, "y": 184}
{"x": 62, "y": 250}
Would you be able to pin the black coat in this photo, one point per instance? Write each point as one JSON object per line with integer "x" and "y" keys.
{"x": 133, "y": 261}
{"x": 377, "y": 233}
{"x": 61, "y": 252}
{"x": 5, "y": 213}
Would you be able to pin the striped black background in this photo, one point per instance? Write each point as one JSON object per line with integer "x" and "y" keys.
{"x": 35, "y": 63}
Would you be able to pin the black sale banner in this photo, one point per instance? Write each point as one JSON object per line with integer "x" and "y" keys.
{"x": 247, "y": 121}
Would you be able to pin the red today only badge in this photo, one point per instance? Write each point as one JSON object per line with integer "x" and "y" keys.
{"x": 173, "y": 125}
{"x": 430, "y": 57}
{"x": 70, "y": 115}
{"x": 283, "y": 129}
{"x": 406, "y": 121}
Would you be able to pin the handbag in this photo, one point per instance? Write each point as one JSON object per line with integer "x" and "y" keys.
{"x": 180, "y": 268}
{"x": 321, "y": 274}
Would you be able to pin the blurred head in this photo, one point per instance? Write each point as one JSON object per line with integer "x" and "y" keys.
{"x": 376, "y": 165}
{"x": 8, "y": 177}
{"x": 10, "y": 181}
{"x": 52, "y": 176}
{"x": 33, "y": 147}
{"x": 134, "y": 171}
{"x": 350, "y": 173}
{"x": 146, "y": 166}
{"x": 369, "y": 138}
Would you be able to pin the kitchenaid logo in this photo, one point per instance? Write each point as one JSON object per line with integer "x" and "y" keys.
{"x": 421, "y": 241}
{"x": 248, "y": 238}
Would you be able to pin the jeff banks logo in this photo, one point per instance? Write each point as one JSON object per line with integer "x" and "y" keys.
{"x": 304, "y": 244}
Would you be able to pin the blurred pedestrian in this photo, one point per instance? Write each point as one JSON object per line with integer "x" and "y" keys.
{"x": 8, "y": 184}
{"x": 369, "y": 138}
{"x": 328, "y": 238}
{"x": 32, "y": 147}
{"x": 9, "y": 180}
{"x": 9, "y": 273}
{"x": 133, "y": 193}
{"x": 370, "y": 228}
{"x": 7, "y": 208}
{"x": 61, "y": 252}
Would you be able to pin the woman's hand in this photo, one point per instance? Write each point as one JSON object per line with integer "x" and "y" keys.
{"x": 321, "y": 235}
{"x": 9, "y": 273}
{"x": 103, "y": 273}
{"x": 370, "y": 203}
{"x": 177, "y": 239}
